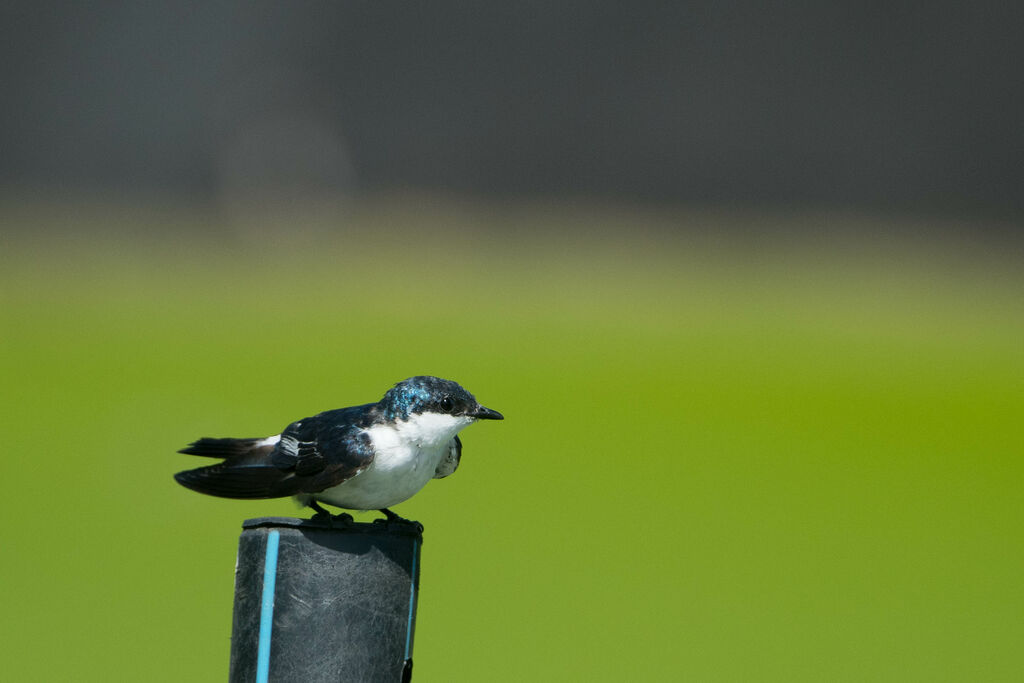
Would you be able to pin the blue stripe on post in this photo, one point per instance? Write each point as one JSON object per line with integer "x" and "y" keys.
{"x": 267, "y": 608}
{"x": 412, "y": 603}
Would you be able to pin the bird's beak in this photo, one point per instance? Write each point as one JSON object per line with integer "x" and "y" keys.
{"x": 481, "y": 413}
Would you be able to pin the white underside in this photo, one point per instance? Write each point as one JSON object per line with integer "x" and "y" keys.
{"x": 406, "y": 457}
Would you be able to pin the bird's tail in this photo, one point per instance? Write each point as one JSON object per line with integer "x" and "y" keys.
{"x": 246, "y": 472}
{"x": 225, "y": 448}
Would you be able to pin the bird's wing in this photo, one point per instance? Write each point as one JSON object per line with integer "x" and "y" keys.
{"x": 450, "y": 462}
{"x": 323, "y": 451}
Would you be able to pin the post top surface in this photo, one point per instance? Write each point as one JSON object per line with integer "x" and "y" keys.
{"x": 336, "y": 525}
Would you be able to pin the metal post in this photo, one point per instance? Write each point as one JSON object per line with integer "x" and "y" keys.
{"x": 318, "y": 602}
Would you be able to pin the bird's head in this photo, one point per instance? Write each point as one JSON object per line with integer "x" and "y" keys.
{"x": 433, "y": 395}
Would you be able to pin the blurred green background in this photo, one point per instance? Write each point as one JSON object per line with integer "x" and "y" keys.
{"x": 745, "y": 279}
{"x": 719, "y": 462}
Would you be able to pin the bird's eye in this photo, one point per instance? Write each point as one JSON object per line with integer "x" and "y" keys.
{"x": 446, "y": 404}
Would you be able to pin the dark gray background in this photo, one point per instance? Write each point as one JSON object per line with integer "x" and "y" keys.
{"x": 877, "y": 106}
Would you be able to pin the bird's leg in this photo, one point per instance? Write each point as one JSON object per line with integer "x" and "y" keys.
{"x": 320, "y": 512}
{"x": 392, "y": 517}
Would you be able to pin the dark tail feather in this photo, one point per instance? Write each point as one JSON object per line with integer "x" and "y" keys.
{"x": 228, "y": 481}
{"x": 220, "y": 448}
{"x": 247, "y": 471}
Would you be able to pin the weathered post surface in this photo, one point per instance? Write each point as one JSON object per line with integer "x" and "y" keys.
{"x": 325, "y": 602}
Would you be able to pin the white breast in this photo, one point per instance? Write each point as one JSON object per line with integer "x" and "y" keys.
{"x": 407, "y": 454}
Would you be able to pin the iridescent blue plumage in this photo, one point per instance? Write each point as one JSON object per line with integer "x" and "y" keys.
{"x": 418, "y": 394}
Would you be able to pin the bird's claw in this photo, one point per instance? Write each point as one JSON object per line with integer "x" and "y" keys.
{"x": 342, "y": 519}
{"x": 323, "y": 516}
{"x": 391, "y": 518}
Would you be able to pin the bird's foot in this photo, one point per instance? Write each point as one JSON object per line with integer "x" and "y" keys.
{"x": 324, "y": 516}
{"x": 343, "y": 517}
{"x": 321, "y": 514}
{"x": 391, "y": 518}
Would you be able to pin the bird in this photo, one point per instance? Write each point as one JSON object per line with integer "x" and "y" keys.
{"x": 365, "y": 457}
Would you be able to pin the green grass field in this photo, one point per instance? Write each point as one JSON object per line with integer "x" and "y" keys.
{"x": 799, "y": 462}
